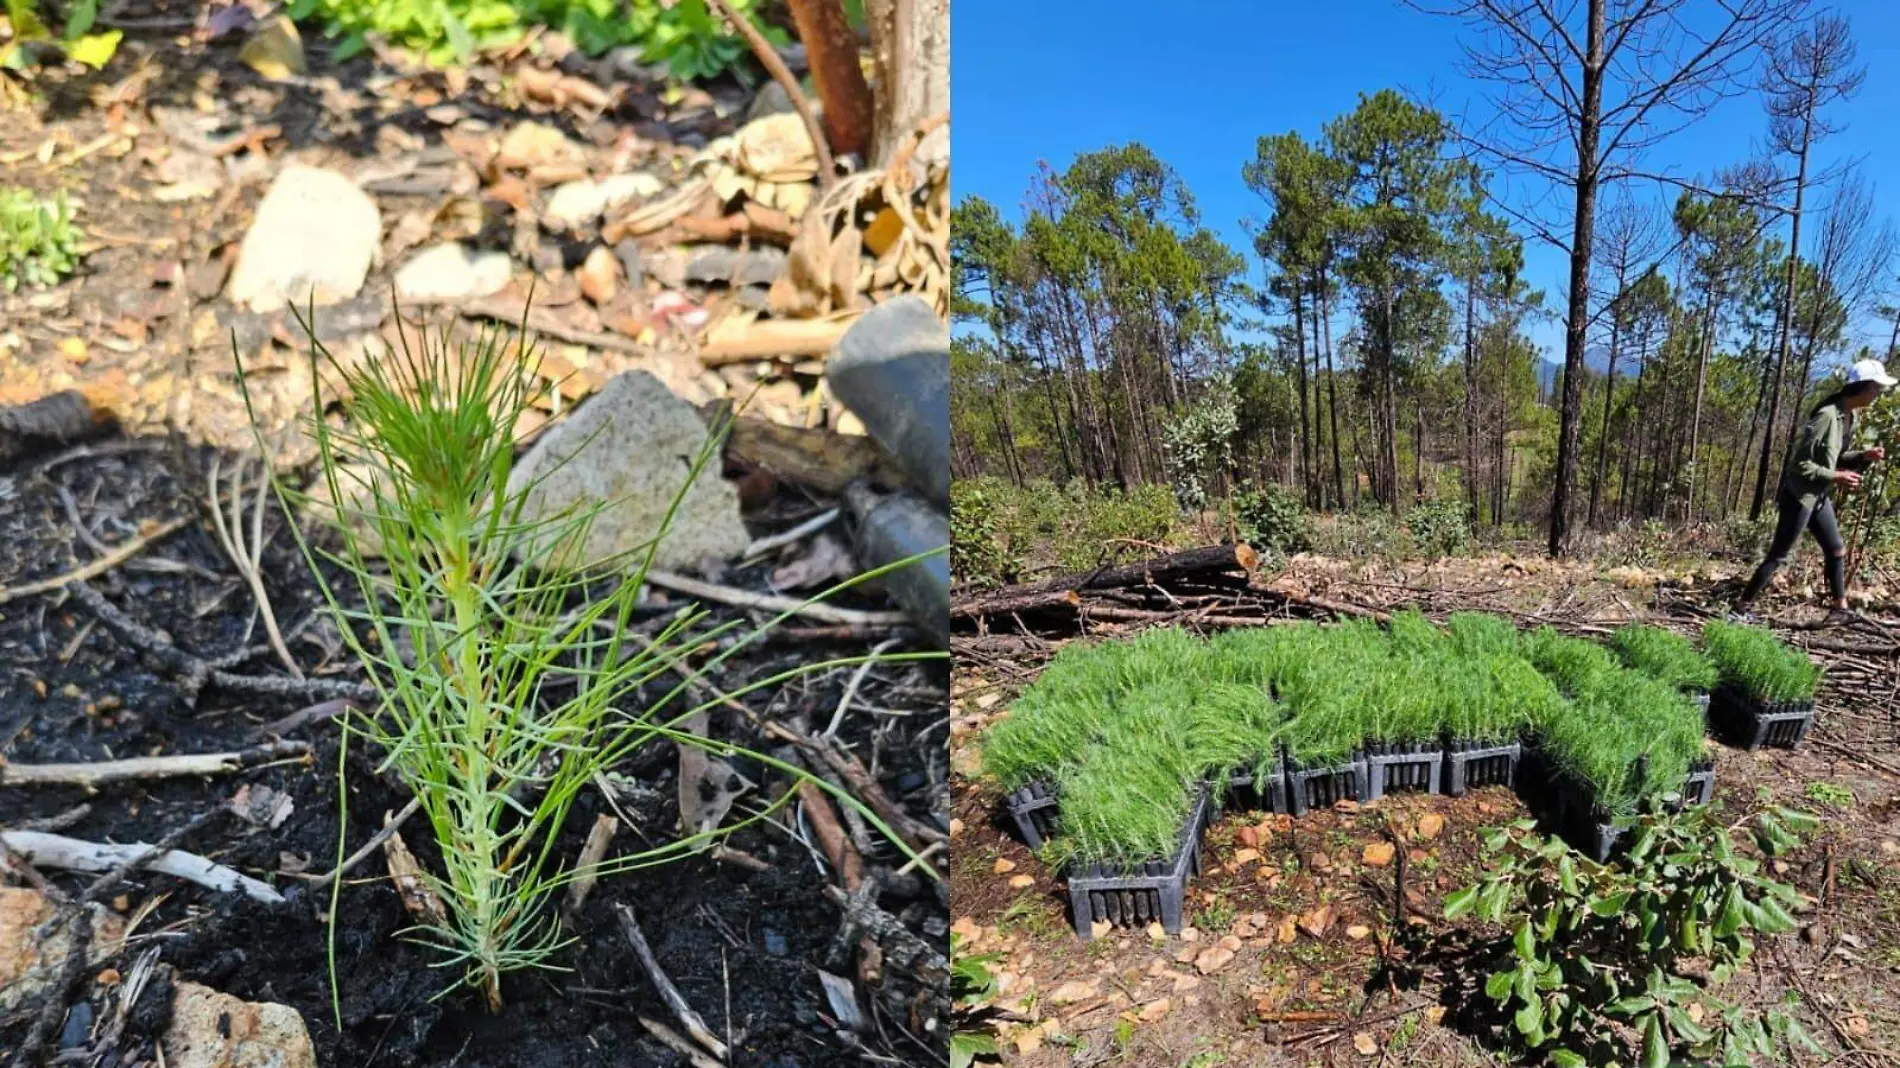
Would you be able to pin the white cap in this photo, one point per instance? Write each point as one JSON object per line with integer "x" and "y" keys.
{"x": 1870, "y": 371}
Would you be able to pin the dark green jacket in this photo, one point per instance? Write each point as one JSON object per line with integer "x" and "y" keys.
{"x": 1817, "y": 454}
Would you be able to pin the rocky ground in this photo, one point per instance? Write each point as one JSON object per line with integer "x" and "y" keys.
{"x": 1292, "y": 920}
{"x": 677, "y": 230}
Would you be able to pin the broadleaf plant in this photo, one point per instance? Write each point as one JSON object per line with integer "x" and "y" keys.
{"x": 505, "y": 687}
{"x": 1603, "y": 957}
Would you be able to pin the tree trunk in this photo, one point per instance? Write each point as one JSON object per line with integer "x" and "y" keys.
{"x": 1582, "y": 232}
{"x": 1784, "y": 315}
{"x": 1332, "y": 393}
{"x": 1609, "y": 399}
{"x": 831, "y": 45}
{"x": 910, "y": 43}
{"x": 1695, "y": 417}
{"x": 1633, "y": 450}
{"x": 1471, "y": 395}
{"x": 1309, "y": 485}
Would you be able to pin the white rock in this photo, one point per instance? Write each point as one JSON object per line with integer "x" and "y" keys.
{"x": 575, "y": 204}
{"x": 451, "y": 271}
{"x": 315, "y": 231}
{"x": 214, "y": 1030}
{"x": 629, "y": 449}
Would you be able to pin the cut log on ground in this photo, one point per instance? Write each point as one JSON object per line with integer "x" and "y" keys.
{"x": 1202, "y": 563}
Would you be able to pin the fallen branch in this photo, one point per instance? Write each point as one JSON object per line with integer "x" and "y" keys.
{"x": 901, "y": 945}
{"x": 196, "y": 673}
{"x": 767, "y": 602}
{"x": 71, "y": 854}
{"x": 97, "y": 773}
{"x": 126, "y": 550}
{"x": 695, "y": 1026}
{"x": 375, "y": 842}
{"x": 592, "y": 852}
{"x": 1067, "y": 589}
{"x": 837, "y": 847}
{"x": 673, "y": 1041}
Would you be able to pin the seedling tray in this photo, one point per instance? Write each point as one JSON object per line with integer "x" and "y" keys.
{"x": 1033, "y": 807}
{"x": 1268, "y": 793}
{"x": 1699, "y": 787}
{"x": 1471, "y": 764}
{"x": 1320, "y": 787}
{"x": 1146, "y": 893}
{"x": 1750, "y": 723}
{"x": 1398, "y": 768}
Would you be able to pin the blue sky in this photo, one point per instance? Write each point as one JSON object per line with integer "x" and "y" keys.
{"x": 1198, "y": 83}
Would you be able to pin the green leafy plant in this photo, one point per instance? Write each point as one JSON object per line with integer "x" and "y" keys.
{"x": 1115, "y": 524}
{"x": 1755, "y": 660}
{"x": 972, "y": 1004}
{"x": 38, "y": 243}
{"x": 506, "y": 686}
{"x": 685, "y": 36}
{"x": 94, "y": 50}
{"x": 978, "y": 552}
{"x": 1603, "y": 958}
{"x": 1273, "y": 518}
{"x": 1440, "y": 527}
{"x": 1665, "y": 656}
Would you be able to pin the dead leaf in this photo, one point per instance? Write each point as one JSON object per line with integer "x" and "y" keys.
{"x": 417, "y": 896}
{"x": 825, "y": 558}
{"x": 1317, "y": 922}
{"x": 261, "y": 806}
{"x": 1003, "y": 866}
{"x": 1213, "y": 959}
{"x": 275, "y": 50}
{"x": 1364, "y": 1044}
{"x": 1021, "y": 882}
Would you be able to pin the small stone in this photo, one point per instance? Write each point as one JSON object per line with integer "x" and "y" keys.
{"x": 956, "y": 827}
{"x": 1190, "y": 934}
{"x": 775, "y": 943}
{"x": 1358, "y": 932}
{"x": 1155, "y": 1010}
{"x": 1317, "y": 922}
{"x": 1157, "y": 933}
{"x": 1364, "y": 1044}
{"x": 33, "y": 949}
{"x": 1184, "y": 982}
{"x": 1288, "y": 931}
{"x": 1430, "y": 825}
{"x": 1378, "y": 854}
{"x": 1003, "y": 866}
{"x": 1021, "y": 882}
{"x": 451, "y": 271}
{"x": 600, "y": 275}
{"x": 575, "y": 205}
{"x": 1100, "y": 928}
{"x": 214, "y": 1030}
{"x": 534, "y": 144}
{"x": 1072, "y": 991}
{"x": 1213, "y": 959}
{"x": 628, "y": 448}
{"x": 314, "y": 237}
{"x": 1029, "y": 1043}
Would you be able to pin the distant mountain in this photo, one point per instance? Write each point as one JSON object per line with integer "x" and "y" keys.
{"x": 1550, "y": 369}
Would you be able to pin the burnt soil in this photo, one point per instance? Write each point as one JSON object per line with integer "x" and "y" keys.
{"x": 745, "y": 947}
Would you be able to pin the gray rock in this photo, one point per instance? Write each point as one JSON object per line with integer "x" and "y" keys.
{"x": 771, "y": 100}
{"x": 314, "y": 237}
{"x": 629, "y": 450}
{"x": 629, "y": 252}
{"x": 451, "y": 271}
{"x": 581, "y": 203}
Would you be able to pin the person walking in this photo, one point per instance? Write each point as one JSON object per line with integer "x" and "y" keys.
{"x": 1816, "y": 463}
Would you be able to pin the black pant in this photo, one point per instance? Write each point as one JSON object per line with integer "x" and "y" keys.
{"x": 1820, "y": 520}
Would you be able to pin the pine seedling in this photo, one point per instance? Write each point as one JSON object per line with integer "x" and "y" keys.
{"x": 505, "y": 687}
{"x": 1665, "y": 656}
{"x": 1758, "y": 662}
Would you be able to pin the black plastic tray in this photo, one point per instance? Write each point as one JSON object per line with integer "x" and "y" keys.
{"x": 1155, "y": 891}
{"x": 1401, "y": 768}
{"x": 1749, "y": 723}
{"x": 1267, "y": 794}
{"x": 1034, "y": 809}
{"x": 1470, "y": 764}
{"x": 1320, "y": 787}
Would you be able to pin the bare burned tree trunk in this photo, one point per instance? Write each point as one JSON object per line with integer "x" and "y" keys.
{"x": 910, "y": 43}
{"x": 1332, "y": 393}
{"x": 1576, "y": 327}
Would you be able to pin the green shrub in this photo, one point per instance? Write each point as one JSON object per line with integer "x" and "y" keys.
{"x": 1598, "y": 955}
{"x": 978, "y": 553}
{"x": 1757, "y": 661}
{"x": 1665, "y": 656}
{"x": 38, "y": 243}
{"x": 1440, "y": 527}
{"x": 1116, "y": 524}
{"x": 686, "y": 35}
{"x": 1271, "y": 517}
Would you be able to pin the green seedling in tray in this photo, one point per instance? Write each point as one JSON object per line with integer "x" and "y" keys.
{"x": 1665, "y": 656}
{"x": 1760, "y": 663}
